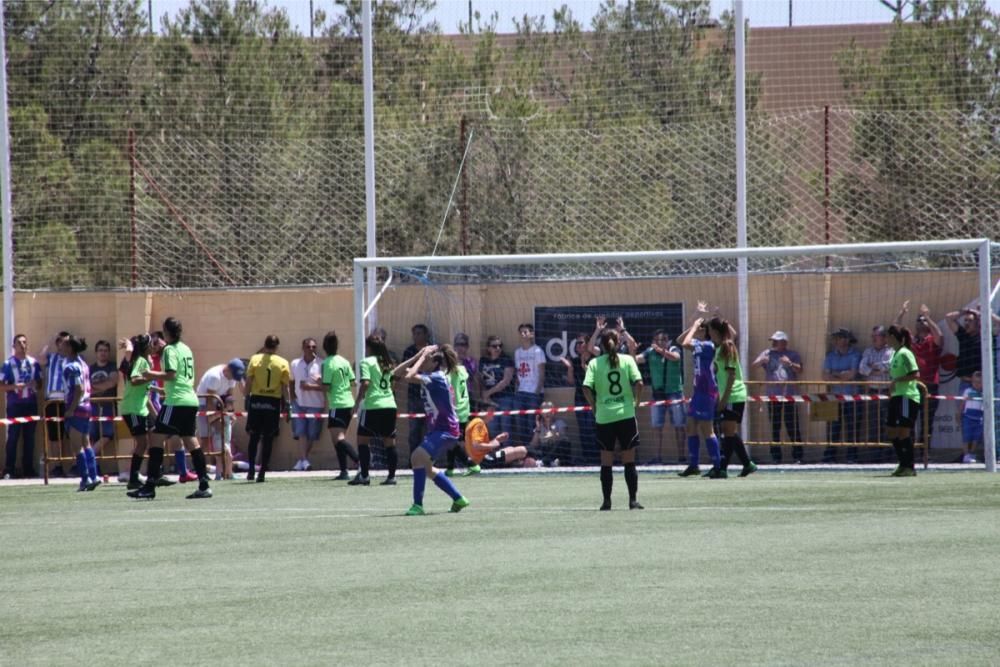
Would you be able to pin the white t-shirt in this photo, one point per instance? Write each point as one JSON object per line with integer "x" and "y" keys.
{"x": 526, "y": 363}
{"x": 308, "y": 372}
{"x": 214, "y": 381}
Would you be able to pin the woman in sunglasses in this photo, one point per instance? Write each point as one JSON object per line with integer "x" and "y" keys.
{"x": 496, "y": 379}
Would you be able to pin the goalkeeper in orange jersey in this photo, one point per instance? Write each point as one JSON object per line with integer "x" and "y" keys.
{"x": 490, "y": 453}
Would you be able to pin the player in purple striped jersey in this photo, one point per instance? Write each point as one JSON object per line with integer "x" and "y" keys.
{"x": 705, "y": 394}
{"x": 430, "y": 368}
{"x": 76, "y": 376}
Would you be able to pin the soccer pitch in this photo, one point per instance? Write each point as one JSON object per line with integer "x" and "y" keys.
{"x": 805, "y": 568}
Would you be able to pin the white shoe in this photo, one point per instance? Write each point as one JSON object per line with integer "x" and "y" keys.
{"x": 969, "y": 458}
{"x": 306, "y": 466}
{"x": 298, "y": 466}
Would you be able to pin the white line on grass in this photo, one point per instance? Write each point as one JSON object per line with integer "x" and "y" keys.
{"x": 322, "y": 513}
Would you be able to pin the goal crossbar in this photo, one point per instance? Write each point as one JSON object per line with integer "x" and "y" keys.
{"x": 980, "y": 247}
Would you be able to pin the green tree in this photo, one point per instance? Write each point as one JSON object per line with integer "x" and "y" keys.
{"x": 925, "y": 161}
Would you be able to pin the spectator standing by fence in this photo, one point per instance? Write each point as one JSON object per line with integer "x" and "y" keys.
{"x": 781, "y": 365}
{"x": 21, "y": 378}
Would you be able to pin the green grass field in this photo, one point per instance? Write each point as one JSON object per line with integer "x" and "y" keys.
{"x": 808, "y": 568}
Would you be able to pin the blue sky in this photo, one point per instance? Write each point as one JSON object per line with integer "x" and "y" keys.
{"x": 761, "y": 13}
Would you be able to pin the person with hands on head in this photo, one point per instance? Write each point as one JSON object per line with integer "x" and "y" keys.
{"x": 430, "y": 369}
{"x": 732, "y": 401}
{"x": 704, "y": 395}
{"x": 613, "y": 387}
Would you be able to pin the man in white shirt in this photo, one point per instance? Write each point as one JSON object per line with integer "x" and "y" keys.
{"x": 308, "y": 397}
{"x": 215, "y": 394}
{"x": 529, "y": 366}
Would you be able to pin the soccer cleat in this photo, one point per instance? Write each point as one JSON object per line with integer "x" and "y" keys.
{"x": 83, "y": 487}
{"x": 143, "y": 493}
{"x": 450, "y": 472}
{"x": 473, "y": 470}
{"x": 896, "y": 472}
{"x": 717, "y": 473}
{"x": 415, "y": 510}
{"x": 163, "y": 481}
{"x": 200, "y": 493}
{"x": 260, "y": 478}
{"x": 251, "y": 476}
{"x": 342, "y": 476}
{"x": 359, "y": 481}
{"x": 189, "y": 476}
{"x": 388, "y": 481}
{"x": 93, "y": 485}
{"x": 606, "y": 505}
{"x": 634, "y": 505}
{"x": 459, "y": 504}
{"x": 134, "y": 484}
{"x": 748, "y": 469}
{"x": 690, "y": 471}
{"x": 907, "y": 472}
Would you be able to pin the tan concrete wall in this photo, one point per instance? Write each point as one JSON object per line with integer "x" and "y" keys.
{"x": 220, "y": 325}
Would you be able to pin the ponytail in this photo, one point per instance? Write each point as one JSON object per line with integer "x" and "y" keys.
{"x": 609, "y": 345}
{"x": 902, "y": 334}
{"x": 378, "y": 349}
{"x": 727, "y": 348}
{"x": 446, "y": 358}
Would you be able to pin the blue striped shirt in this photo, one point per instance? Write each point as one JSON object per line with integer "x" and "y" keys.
{"x": 55, "y": 384}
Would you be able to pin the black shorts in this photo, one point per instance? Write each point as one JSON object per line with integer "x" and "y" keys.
{"x": 902, "y": 411}
{"x": 625, "y": 432}
{"x": 177, "y": 420}
{"x": 56, "y": 430}
{"x": 732, "y": 412}
{"x": 379, "y": 423}
{"x": 339, "y": 418}
{"x": 137, "y": 424}
{"x": 263, "y": 415}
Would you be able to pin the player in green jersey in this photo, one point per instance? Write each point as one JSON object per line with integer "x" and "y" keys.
{"x": 613, "y": 386}
{"x": 904, "y": 399}
{"x": 377, "y": 407}
{"x": 732, "y": 397}
{"x": 177, "y": 417}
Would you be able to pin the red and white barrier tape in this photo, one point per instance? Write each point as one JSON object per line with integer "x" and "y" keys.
{"x": 798, "y": 398}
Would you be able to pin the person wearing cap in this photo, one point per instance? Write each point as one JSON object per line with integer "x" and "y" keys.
{"x": 874, "y": 368}
{"x": 926, "y": 347}
{"x": 781, "y": 365}
{"x": 215, "y": 394}
{"x": 840, "y": 366}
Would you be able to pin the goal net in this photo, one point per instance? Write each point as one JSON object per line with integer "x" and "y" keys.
{"x": 815, "y": 359}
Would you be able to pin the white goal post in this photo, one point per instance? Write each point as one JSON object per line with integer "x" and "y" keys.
{"x": 975, "y": 254}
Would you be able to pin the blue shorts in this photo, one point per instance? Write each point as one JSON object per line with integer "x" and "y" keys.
{"x": 100, "y": 430}
{"x": 702, "y": 408}
{"x": 658, "y": 413}
{"x": 305, "y": 427}
{"x": 78, "y": 424}
{"x": 436, "y": 442}
{"x": 972, "y": 428}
